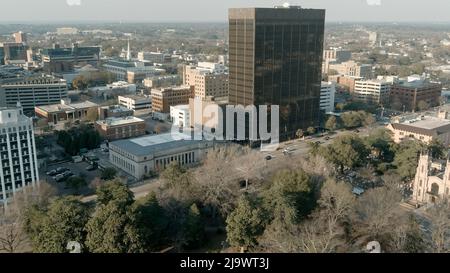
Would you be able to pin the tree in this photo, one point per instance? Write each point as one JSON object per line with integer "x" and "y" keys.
{"x": 407, "y": 237}
{"x": 380, "y": 143}
{"x": 113, "y": 228}
{"x": 436, "y": 148}
{"x": 51, "y": 228}
{"x": 331, "y": 123}
{"x": 440, "y": 227}
{"x": 422, "y": 105}
{"x": 193, "y": 228}
{"x": 351, "y": 120}
{"x": 291, "y": 196}
{"x": 108, "y": 174}
{"x": 114, "y": 191}
{"x": 76, "y": 182}
{"x": 152, "y": 222}
{"x": 376, "y": 213}
{"x": 12, "y": 236}
{"x": 311, "y": 130}
{"x": 179, "y": 181}
{"x": 245, "y": 224}
{"x": 406, "y": 158}
{"x": 314, "y": 148}
{"x": 346, "y": 151}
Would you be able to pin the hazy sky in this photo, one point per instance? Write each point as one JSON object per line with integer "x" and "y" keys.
{"x": 215, "y": 10}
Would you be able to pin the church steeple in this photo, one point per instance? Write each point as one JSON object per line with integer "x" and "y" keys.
{"x": 128, "y": 51}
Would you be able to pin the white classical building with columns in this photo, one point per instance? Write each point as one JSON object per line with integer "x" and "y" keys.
{"x": 18, "y": 161}
{"x": 432, "y": 180}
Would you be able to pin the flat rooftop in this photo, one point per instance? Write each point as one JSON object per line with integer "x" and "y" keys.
{"x": 67, "y": 107}
{"x": 429, "y": 123}
{"x": 119, "y": 121}
{"x": 147, "y": 145}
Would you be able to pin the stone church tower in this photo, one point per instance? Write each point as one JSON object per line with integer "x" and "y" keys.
{"x": 432, "y": 180}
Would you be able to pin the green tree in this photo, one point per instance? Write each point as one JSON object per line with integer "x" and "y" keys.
{"x": 193, "y": 228}
{"x": 331, "y": 124}
{"x": 108, "y": 174}
{"x": 76, "y": 182}
{"x": 346, "y": 151}
{"x": 380, "y": 143}
{"x": 245, "y": 224}
{"x": 351, "y": 120}
{"x": 152, "y": 223}
{"x": 436, "y": 148}
{"x": 114, "y": 191}
{"x": 406, "y": 158}
{"x": 290, "y": 197}
{"x": 311, "y": 130}
{"x": 113, "y": 228}
{"x": 51, "y": 228}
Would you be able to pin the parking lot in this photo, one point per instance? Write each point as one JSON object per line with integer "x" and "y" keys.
{"x": 78, "y": 169}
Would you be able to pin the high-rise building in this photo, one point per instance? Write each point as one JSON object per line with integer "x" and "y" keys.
{"x": 13, "y": 52}
{"x": 275, "y": 58}
{"x": 327, "y": 94}
{"x": 163, "y": 98}
{"x": 208, "y": 79}
{"x": 18, "y": 161}
{"x": 20, "y": 37}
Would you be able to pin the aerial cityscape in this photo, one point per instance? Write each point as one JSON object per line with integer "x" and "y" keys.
{"x": 261, "y": 128}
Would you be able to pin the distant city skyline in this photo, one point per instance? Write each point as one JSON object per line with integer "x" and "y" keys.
{"x": 32, "y": 11}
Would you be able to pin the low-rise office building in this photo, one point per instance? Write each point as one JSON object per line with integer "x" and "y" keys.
{"x": 352, "y": 69}
{"x": 136, "y": 102}
{"x": 31, "y": 91}
{"x": 66, "y": 111}
{"x": 415, "y": 94}
{"x": 114, "y": 111}
{"x": 422, "y": 128}
{"x": 372, "y": 91}
{"x": 143, "y": 156}
{"x": 120, "y": 127}
{"x": 180, "y": 115}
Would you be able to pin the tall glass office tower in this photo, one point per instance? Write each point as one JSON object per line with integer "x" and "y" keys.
{"x": 275, "y": 58}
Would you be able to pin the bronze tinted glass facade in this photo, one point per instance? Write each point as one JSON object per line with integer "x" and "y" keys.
{"x": 276, "y": 59}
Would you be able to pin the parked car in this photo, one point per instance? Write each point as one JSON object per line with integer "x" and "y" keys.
{"x": 59, "y": 178}
{"x": 90, "y": 168}
{"x": 67, "y": 174}
{"x": 52, "y": 173}
{"x": 60, "y": 170}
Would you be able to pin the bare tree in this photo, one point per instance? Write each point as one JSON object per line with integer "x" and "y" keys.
{"x": 440, "y": 227}
{"x": 377, "y": 212}
{"x": 12, "y": 237}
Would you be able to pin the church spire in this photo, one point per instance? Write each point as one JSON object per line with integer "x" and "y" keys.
{"x": 128, "y": 51}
